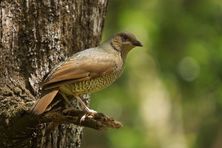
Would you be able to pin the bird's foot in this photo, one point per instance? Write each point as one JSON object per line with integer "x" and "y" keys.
{"x": 89, "y": 113}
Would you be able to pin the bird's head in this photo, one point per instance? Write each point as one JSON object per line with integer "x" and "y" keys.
{"x": 124, "y": 42}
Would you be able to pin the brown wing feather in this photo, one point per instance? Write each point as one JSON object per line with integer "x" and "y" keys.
{"x": 79, "y": 70}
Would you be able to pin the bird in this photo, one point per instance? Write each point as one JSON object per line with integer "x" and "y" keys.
{"x": 87, "y": 71}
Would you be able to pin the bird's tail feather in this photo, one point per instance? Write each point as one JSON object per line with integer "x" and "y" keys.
{"x": 41, "y": 105}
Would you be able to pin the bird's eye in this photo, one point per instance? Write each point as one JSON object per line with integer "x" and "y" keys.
{"x": 124, "y": 38}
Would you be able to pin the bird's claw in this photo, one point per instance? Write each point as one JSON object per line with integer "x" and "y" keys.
{"x": 90, "y": 113}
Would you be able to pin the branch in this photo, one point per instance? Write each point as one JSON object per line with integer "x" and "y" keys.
{"x": 96, "y": 121}
{"x": 24, "y": 126}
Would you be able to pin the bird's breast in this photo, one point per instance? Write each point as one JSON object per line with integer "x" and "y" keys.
{"x": 92, "y": 85}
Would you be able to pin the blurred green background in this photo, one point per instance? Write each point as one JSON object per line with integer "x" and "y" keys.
{"x": 170, "y": 95}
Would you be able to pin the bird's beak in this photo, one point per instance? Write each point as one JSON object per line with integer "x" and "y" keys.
{"x": 137, "y": 43}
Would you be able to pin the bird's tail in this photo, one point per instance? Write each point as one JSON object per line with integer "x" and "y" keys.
{"x": 41, "y": 105}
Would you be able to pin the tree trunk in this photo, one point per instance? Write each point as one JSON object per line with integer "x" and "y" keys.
{"x": 35, "y": 35}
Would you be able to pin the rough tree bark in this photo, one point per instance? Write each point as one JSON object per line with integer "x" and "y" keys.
{"x": 35, "y": 35}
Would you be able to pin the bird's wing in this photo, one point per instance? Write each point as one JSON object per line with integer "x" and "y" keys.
{"x": 79, "y": 69}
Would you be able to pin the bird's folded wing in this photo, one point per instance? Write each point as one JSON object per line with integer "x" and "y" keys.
{"x": 75, "y": 70}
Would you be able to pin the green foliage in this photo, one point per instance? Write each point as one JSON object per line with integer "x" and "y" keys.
{"x": 180, "y": 62}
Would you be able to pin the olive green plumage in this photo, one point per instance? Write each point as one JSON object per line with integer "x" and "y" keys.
{"x": 90, "y": 86}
